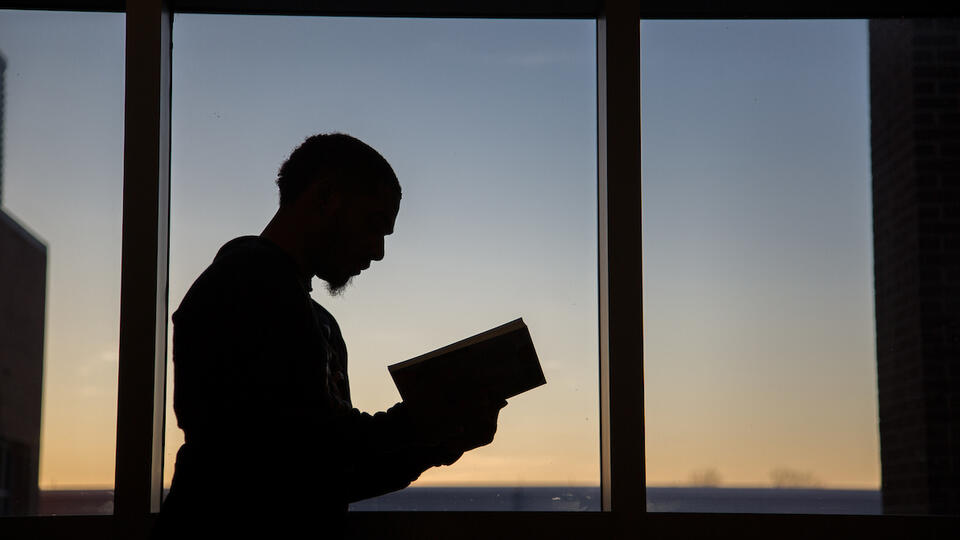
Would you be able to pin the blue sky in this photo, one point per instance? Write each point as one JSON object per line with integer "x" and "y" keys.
{"x": 758, "y": 306}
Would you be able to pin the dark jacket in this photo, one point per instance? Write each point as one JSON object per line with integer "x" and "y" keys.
{"x": 272, "y": 441}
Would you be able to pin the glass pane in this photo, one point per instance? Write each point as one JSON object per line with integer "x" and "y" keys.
{"x": 759, "y": 353}
{"x": 61, "y": 120}
{"x": 490, "y": 126}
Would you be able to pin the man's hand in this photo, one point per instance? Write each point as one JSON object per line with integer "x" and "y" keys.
{"x": 460, "y": 426}
{"x": 478, "y": 423}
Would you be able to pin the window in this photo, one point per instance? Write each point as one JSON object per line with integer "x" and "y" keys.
{"x": 758, "y": 309}
{"x": 143, "y": 309}
{"x": 491, "y": 127}
{"x": 61, "y": 141}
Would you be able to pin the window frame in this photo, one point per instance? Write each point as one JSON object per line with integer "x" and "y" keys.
{"x": 145, "y": 254}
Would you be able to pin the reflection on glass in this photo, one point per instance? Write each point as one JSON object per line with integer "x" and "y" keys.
{"x": 759, "y": 353}
{"x": 490, "y": 126}
{"x": 61, "y": 107}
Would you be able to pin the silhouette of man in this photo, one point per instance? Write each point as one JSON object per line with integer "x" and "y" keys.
{"x": 273, "y": 444}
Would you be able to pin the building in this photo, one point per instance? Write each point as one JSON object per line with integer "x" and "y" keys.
{"x": 3, "y": 69}
{"x": 915, "y": 136}
{"x": 23, "y": 283}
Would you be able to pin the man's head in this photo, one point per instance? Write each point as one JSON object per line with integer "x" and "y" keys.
{"x": 342, "y": 198}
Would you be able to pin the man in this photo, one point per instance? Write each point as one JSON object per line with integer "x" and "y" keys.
{"x": 272, "y": 441}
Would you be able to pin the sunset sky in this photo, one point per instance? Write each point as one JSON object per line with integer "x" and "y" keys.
{"x": 758, "y": 310}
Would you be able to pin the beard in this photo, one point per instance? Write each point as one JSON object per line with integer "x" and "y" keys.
{"x": 336, "y": 286}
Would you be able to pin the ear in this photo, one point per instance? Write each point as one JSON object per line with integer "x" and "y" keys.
{"x": 321, "y": 198}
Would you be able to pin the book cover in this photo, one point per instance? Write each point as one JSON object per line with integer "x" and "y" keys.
{"x": 500, "y": 363}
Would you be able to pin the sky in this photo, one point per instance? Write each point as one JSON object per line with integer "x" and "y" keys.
{"x": 759, "y": 350}
{"x": 490, "y": 127}
{"x": 758, "y": 313}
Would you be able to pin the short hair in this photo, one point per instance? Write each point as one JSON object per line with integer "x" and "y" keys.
{"x": 348, "y": 164}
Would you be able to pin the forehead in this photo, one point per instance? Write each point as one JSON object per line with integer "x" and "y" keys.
{"x": 382, "y": 201}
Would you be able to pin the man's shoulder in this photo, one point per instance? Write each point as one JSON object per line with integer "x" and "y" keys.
{"x": 241, "y": 260}
{"x": 245, "y": 249}
{"x": 243, "y": 268}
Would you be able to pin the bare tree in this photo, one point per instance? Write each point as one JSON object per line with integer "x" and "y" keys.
{"x": 785, "y": 477}
{"x": 706, "y": 477}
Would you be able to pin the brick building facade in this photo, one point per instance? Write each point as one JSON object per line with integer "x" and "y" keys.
{"x": 915, "y": 137}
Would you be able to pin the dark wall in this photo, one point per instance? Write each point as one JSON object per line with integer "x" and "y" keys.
{"x": 3, "y": 98}
{"x": 915, "y": 136}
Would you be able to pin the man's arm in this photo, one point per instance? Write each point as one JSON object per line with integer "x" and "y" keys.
{"x": 412, "y": 440}
{"x": 249, "y": 387}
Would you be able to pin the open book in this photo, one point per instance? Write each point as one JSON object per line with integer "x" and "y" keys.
{"x": 500, "y": 363}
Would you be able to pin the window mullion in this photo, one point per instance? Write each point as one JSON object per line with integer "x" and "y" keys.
{"x": 143, "y": 299}
{"x": 621, "y": 311}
